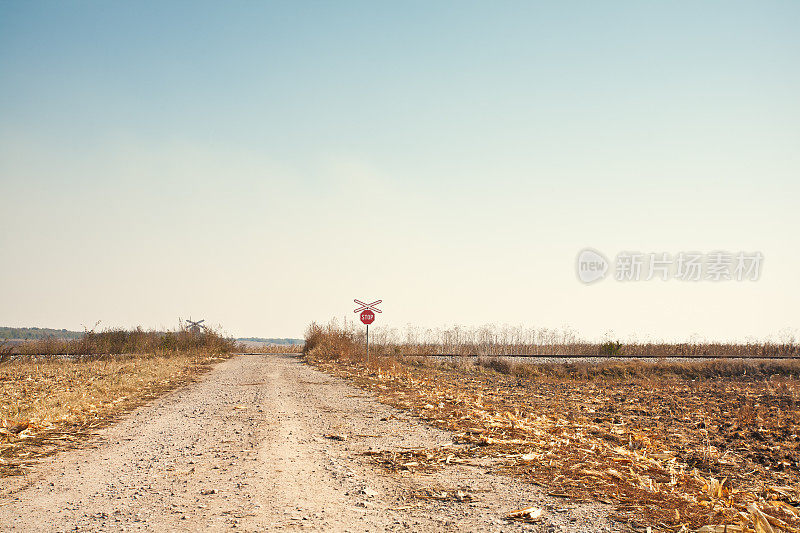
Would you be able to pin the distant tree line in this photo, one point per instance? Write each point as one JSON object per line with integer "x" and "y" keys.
{"x": 30, "y": 334}
{"x": 271, "y": 341}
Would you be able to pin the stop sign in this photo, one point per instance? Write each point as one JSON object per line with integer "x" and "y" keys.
{"x": 367, "y": 317}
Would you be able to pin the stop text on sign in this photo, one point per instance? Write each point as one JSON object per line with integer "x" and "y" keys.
{"x": 367, "y": 317}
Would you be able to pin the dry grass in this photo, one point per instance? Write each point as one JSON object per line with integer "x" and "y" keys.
{"x": 274, "y": 348}
{"x": 492, "y": 340}
{"x": 671, "y": 445}
{"x": 751, "y": 369}
{"x": 121, "y": 341}
{"x": 49, "y": 402}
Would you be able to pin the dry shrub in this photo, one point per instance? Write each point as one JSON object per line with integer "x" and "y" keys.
{"x": 504, "y": 366}
{"x": 6, "y": 351}
{"x": 121, "y": 341}
{"x": 330, "y": 343}
{"x": 346, "y": 346}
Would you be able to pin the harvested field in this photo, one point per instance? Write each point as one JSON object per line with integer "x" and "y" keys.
{"x": 672, "y": 446}
{"x": 47, "y": 404}
{"x": 257, "y": 348}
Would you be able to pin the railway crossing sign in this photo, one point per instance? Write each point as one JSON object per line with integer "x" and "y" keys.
{"x": 195, "y": 327}
{"x": 367, "y": 316}
{"x": 367, "y": 307}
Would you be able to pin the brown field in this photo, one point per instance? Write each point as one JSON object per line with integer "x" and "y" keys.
{"x": 672, "y": 445}
{"x": 47, "y": 403}
{"x": 260, "y": 347}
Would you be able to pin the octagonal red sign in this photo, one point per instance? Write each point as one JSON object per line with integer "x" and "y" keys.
{"x": 367, "y": 316}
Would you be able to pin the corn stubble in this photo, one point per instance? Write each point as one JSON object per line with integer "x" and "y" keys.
{"x": 701, "y": 446}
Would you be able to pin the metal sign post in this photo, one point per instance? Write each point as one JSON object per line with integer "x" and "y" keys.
{"x": 367, "y": 317}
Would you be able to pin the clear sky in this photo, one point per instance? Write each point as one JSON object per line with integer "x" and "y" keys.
{"x": 261, "y": 164}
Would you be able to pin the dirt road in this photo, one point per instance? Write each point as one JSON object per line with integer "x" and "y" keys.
{"x": 244, "y": 449}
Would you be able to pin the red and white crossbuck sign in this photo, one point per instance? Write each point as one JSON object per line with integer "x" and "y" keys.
{"x": 370, "y": 307}
{"x": 367, "y": 316}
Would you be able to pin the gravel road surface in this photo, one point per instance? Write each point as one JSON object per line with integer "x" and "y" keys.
{"x": 245, "y": 450}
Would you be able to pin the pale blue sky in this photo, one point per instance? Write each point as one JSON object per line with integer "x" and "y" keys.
{"x": 261, "y": 164}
